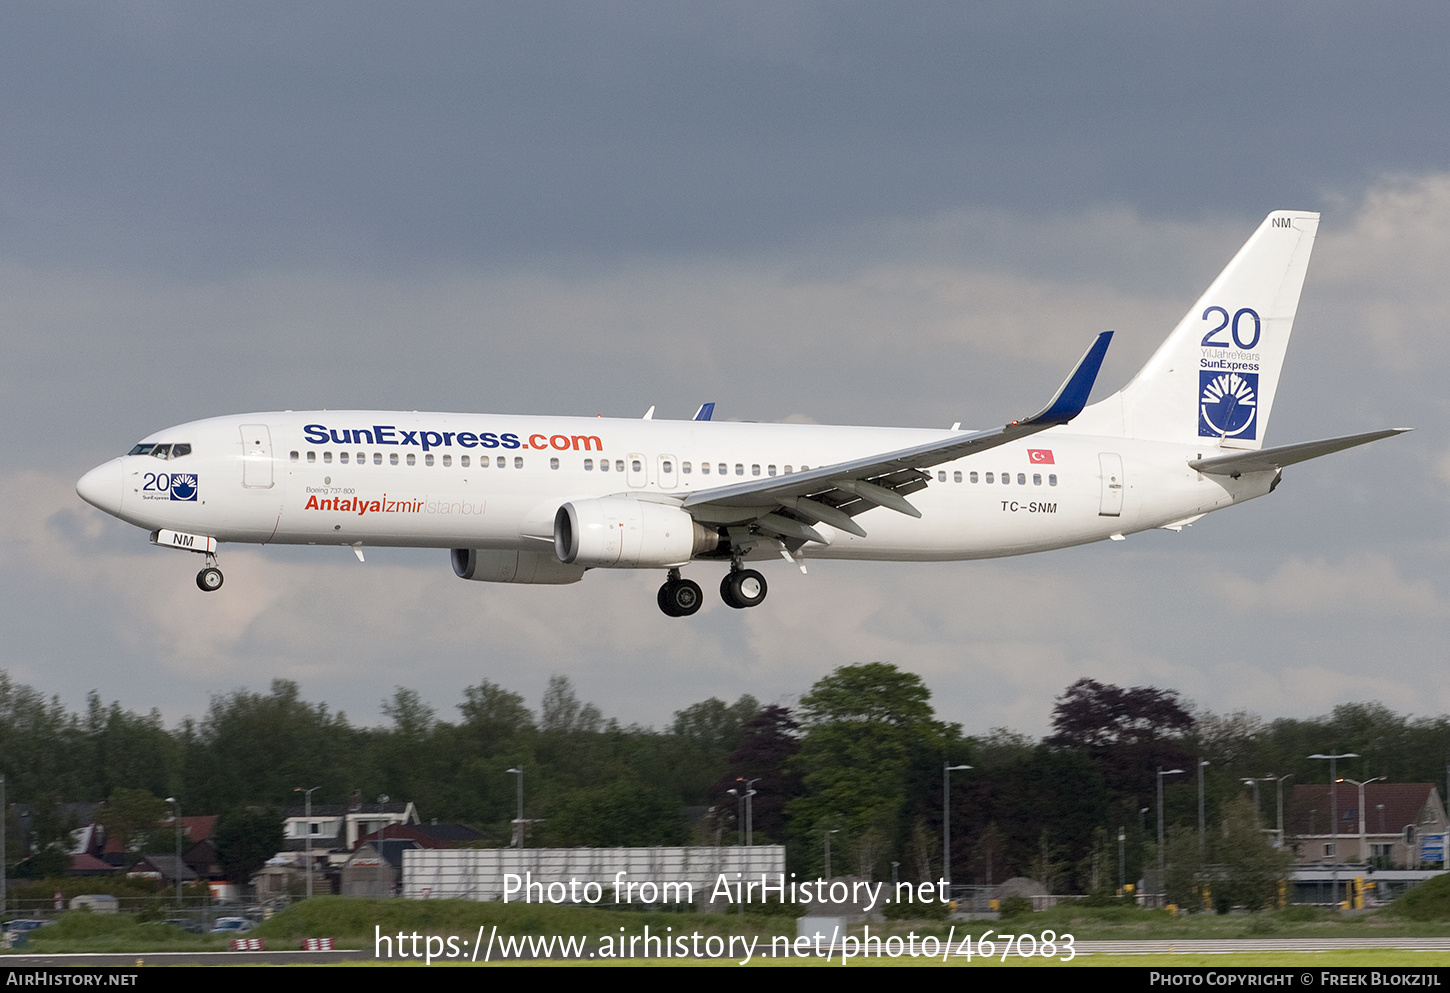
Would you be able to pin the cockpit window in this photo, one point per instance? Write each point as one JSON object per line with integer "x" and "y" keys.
{"x": 164, "y": 451}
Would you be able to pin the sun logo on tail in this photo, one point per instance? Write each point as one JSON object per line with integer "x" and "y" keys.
{"x": 1227, "y": 403}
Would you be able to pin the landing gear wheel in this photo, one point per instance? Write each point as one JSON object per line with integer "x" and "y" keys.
{"x": 680, "y": 597}
{"x": 742, "y": 588}
{"x": 209, "y": 579}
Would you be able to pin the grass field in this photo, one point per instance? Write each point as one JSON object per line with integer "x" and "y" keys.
{"x": 355, "y": 923}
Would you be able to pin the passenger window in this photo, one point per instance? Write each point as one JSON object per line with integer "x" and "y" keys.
{"x": 499, "y": 462}
{"x": 392, "y": 458}
{"x": 957, "y": 476}
{"x": 588, "y": 465}
{"x": 462, "y": 460}
{"x": 1006, "y": 479}
{"x": 518, "y": 461}
{"x": 1052, "y": 479}
{"x": 553, "y": 463}
{"x": 941, "y": 476}
{"x": 619, "y": 465}
{"x": 447, "y": 461}
{"x": 327, "y": 458}
{"x": 428, "y": 459}
{"x": 1022, "y": 479}
{"x": 412, "y": 459}
{"x": 755, "y": 470}
{"x": 634, "y": 465}
{"x": 740, "y": 468}
{"x": 342, "y": 457}
{"x": 990, "y": 479}
{"x": 295, "y": 456}
{"x": 787, "y": 470}
{"x": 377, "y": 458}
{"x": 704, "y": 468}
{"x": 723, "y": 469}
{"x": 603, "y": 465}
{"x": 685, "y": 468}
{"x": 667, "y": 467}
{"x": 311, "y": 456}
{"x": 1037, "y": 479}
{"x": 973, "y": 477}
{"x": 770, "y": 470}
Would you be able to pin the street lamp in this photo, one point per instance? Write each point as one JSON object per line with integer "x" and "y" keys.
{"x": 1279, "y": 790}
{"x": 946, "y": 820}
{"x": 749, "y": 807}
{"x": 828, "y": 851}
{"x": 307, "y": 816}
{"x": 519, "y": 830}
{"x": 1361, "y": 808}
{"x": 176, "y": 823}
{"x": 1334, "y": 812}
{"x": 1201, "y": 764}
{"x": 1122, "y": 837}
{"x": 1162, "y": 880}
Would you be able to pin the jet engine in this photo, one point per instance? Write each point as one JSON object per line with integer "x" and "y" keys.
{"x": 623, "y": 533}
{"x": 490, "y": 565}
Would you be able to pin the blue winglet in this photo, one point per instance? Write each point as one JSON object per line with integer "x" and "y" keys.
{"x": 1072, "y": 396}
{"x": 705, "y": 412}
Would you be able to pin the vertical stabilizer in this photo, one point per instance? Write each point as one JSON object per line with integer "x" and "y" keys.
{"x": 1213, "y": 381}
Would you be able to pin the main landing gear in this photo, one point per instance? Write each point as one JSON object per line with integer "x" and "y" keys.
{"x": 209, "y": 579}
{"x": 680, "y": 597}
{"x": 740, "y": 588}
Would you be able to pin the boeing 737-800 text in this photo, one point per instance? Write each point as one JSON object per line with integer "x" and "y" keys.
{"x": 544, "y": 499}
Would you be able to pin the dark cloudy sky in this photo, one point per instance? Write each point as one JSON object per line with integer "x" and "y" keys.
{"x": 845, "y": 212}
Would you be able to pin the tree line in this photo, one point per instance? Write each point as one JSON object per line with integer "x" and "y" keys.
{"x": 856, "y": 764}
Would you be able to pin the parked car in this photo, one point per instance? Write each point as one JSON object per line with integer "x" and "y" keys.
{"x": 24, "y": 924}
{"x": 233, "y": 925}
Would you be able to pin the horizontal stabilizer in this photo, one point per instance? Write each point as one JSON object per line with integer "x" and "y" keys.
{"x": 1271, "y": 459}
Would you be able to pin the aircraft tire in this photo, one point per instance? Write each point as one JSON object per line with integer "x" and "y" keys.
{"x": 745, "y": 588}
{"x": 209, "y": 579}
{"x": 685, "y": 597}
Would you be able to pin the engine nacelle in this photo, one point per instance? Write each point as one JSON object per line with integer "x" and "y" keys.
{"x": 490, "y": 565}
{"x": 616, "y": 532}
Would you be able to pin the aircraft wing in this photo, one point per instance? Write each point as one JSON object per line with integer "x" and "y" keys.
{"x": 1270, "y": 459}
{"x": 786, "y": 506}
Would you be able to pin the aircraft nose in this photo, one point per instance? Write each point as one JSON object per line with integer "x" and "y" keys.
{"x": 102, "y": 487}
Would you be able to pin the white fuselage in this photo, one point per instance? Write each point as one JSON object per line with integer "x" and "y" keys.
{"x": 496, "y": 482}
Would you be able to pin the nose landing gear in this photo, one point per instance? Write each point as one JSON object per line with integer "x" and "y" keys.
{"x": 209, "y": 579}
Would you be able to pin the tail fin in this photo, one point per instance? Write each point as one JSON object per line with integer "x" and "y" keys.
{"x": 1214, "y": 379}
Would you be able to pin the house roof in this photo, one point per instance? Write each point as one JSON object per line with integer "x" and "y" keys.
{"x": 343, "y": 809}
{"x": 195, "y": 828}
{"x": 167, "y": 865}
{"x": 1388, "y": 807}
{"x": 427, "y": 835}
{"x": 89, "y": 865}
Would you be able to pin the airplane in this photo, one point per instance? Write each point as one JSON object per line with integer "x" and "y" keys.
{"x": 542, "y": 500}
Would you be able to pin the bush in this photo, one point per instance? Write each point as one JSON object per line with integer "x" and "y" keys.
{"x": 1430, "y": 901}
{"x": 1014, "y": 907}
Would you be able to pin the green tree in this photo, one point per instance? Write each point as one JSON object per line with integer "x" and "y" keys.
{"x": 872, "y": 746}
{"x": 1250, "y": 869}
{"x": 135, "y": 817}
{"x": 245, "y": 839}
